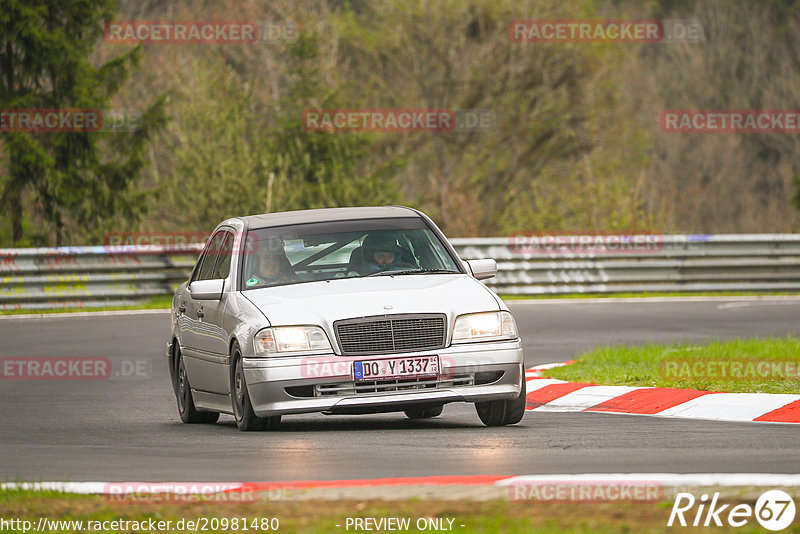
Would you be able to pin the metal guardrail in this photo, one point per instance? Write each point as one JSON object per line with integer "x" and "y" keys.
{"x": 83, "y": 277}
{"x": 537, "y": 265}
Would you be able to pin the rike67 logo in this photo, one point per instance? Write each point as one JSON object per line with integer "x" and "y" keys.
{"x": 774, "y": 510}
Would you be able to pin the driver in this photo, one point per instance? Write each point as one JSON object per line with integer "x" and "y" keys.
{"x": 381, "y": 253}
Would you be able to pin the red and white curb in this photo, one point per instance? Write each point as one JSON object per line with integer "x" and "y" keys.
{"x": 666, "y": 480}
{"x": 110, "y": 488}
{"x": 552, "y": 395}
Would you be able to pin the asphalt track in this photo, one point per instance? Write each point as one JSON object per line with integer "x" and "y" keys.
{"x": 128, "y": 429}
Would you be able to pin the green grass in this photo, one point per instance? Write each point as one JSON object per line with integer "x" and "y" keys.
{"x": 663, "y": 366}
{"x": 322, "y": 516}
{"x": 649, "y": 294}
{"x": 155, "y": 303}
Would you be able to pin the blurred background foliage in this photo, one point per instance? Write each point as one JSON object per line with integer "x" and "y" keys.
{"x": 577, "y": 144}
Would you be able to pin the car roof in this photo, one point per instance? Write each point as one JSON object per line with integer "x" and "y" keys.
{"x": 327, "y": 214}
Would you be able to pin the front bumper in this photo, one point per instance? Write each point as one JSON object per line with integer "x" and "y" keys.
{"x": 470, "y": 372}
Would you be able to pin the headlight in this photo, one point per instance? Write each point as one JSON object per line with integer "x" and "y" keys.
{"x": 487, "y": 326}
{"x": 291, "y": 339}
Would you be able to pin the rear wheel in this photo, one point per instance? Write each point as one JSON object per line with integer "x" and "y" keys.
{"x": 246, "y": 418}
{"x": 183, "y": 391}
{"x": 424, "y": 413}
{"x": 502, "y": 412}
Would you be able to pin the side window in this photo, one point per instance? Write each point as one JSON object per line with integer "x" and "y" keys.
{"x": 198, "y": 266}
{"x": 224, "y": 253}
{"x": 208, "y": 258}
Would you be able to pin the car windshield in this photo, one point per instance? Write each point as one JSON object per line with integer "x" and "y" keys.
{"x": 343, "y": 249}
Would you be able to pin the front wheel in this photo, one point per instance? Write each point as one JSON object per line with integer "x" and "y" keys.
{"x": 183, "y": 392}
{"x": 502, "y": 412}
{"x": 246, "y": 418}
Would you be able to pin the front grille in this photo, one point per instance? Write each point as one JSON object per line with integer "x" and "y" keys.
{"x": 344, "y": 389}
{"x": 386, "y": 334}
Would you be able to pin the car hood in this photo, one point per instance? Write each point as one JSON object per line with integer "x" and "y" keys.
{"x": 322, "y": 303}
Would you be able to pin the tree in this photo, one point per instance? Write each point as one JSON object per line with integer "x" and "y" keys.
{"x": 724, "y": 182}
{"x": 78, "y": 182}
{"x": 231, "y": 150}
{"x": 322, "y": 169}
{"x": 549, "y": 101}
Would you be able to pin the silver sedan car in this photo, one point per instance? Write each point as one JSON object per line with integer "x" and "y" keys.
{"x": 340, "y": 311}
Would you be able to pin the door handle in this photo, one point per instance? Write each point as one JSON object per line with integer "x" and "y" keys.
{"x": 182, "y": 308}
{"x": 201, "y": 313}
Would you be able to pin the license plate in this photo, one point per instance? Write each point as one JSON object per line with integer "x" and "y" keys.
{"x": 396, "y": 368}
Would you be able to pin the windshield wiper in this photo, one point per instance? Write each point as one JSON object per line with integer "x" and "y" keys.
{"x": 414, "y": 271}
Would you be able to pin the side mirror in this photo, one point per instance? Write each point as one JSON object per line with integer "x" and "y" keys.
{"x": 483, "y": 269}
{"x": 206, "y": 289}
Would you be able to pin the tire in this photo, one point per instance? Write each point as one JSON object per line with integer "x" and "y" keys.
{"x": 183, "y": 392}
{"x": 502, "y": 412}
{"x": 424, "y": 413}
{"x": 246, "y": 419}
{"x": 274, "y": 422}
{"x": 516, "y": 408}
